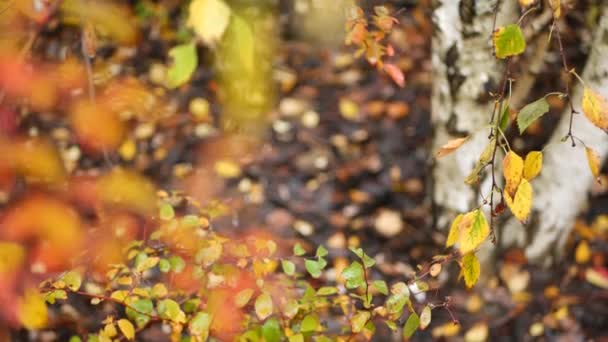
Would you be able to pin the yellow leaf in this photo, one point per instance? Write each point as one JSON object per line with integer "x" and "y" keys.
{"x": 263, "y": 306}
{"x": 450, "y": 147}
{"x": 594, "y": 162}
{"x": 473, "y": 230}
{"x": 470, "y": 269}
{"x": 533, "y": 164}
{"x": 521, "y": 205}
{"x": 32, "y": 310}
{"x": 595, "y": 108}
{"x": 557, "y": 8}
{"x": 526, "y": 3}
{"x": 582, "y": 254}
{"x": 127, "y": 328}
{"x": 453, "y": 234}
{"x": 209, "y": 19}
{"x": 513, "y": 168}
{"x": 109, "y": 330}
{"x": 12, "y": 256}
{"x": 425, "y": 317}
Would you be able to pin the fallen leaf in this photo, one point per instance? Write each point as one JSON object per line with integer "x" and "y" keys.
{"x": 184, "y": 63}
{"x": 209, "y": 19}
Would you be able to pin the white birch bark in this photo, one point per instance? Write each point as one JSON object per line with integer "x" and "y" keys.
{"x": 561, "y": 190}
{"x": 465, "y": 70}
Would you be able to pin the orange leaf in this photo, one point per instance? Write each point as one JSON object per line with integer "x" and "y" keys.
{"x": 450, "y": 147}
{"x": 395, "y": 73}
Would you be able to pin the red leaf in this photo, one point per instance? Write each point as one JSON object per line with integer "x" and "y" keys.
{"x": 8, "y": 121}
{"x": 395, "y": 73}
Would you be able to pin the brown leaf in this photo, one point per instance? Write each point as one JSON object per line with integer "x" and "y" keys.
{"x": 450, "y": 147}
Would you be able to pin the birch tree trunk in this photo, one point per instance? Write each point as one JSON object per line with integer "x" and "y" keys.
{"x": 562, "y": 188}
{"x": 465, "y": 71}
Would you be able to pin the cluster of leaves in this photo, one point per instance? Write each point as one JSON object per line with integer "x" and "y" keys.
{"x": 206, "y": 285}
{"x": 469, "y": 230}
{"x": 368, "y": 38}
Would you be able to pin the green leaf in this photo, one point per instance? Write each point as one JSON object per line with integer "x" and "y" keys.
{"x": 367, "y": 260}
{"x": 411, "y": 325}
{"x": 381, "y": 286}
{"x": 271, "y": 330}
{"x": 504, "y": 118}
{"x": 321, "y": 251}
{"x": 353, "y": 275}
{"x": 72, "y": 280}
{"x": 327, "y": 291}
{"x": 509, "y": 41}
{"x": 263, "y": 306}
{"x": 75, "y": 339}
{"x": 530, "y": 113}
{"x": 169, "y": 309}
{"x": 309, "y": 323}
{"x": 144, "y": 308}
{"x": 177, "y": 264}
{"x": 359, "y": 320}
{"x": 470, "y": 269}
{"x": 164, "y": 265}
{"x": 166, "y": 212}
{"x": 298, "y": 250}
{"x": 391, "y": 325}
{"x": 184, "y": 63}
{"x": 199, "y": 325}
{"x": 52, "y": 296}
{"x": 313, "y": 267}
{"x": 296, "y": 338}
{"x": 191, "y": 305}
{"x": 288, "y": 267}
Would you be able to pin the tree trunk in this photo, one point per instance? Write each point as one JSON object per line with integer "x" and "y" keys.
{"x": 465, "y": 71}
{"x": 561, "y": 189}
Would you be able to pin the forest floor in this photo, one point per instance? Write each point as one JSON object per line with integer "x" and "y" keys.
{"x": 345, "y": 161}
